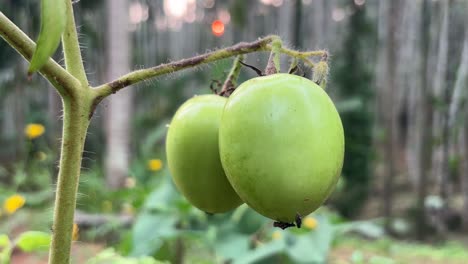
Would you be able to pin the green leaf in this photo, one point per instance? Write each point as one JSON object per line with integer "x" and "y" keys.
{"x": 110, "y": 256}
{"x": 149, "y": 233}
{"x": 312, "y": 247}
{"x": 232, "y": 246}
{"x": 53, "y": 19}
{"x": 262, "y": 252}
{"x": 4, "y": 241}
{"x": 33, "y": 241}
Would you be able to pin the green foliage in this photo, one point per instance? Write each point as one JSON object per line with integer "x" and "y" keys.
{"x": 242, "y": 236}
{"x": 110, "y": 256}
{"x": 29, "y": 241}
{"x": 33, "y": 241}
{"x": 5, "y": 249}
{"x": 385, "y": 250}
{"x": 53, "y": 21}
{"x": 353, "y": 79}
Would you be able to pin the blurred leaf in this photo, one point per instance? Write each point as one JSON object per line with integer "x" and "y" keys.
{"x": 248, "y": 221}
{"x": 364, "y": 228}
{"x": 33, "y": 241}
{"x": 4, "y": 241}
{"x": 39, "y": 198}
{"x": 262, "y": 252}
{"x": 110, "y": 256}
{"x": 381, "y": 260}
{"x": 149, "y": 232}
{"x": 312, "y": 247}
{"x": 357, "y": 257}
{"x": 156, "y": 134}
{"x": 161, "y": 197}
{"x": 232, "y": 246}
{"x": 349, "y": 105}
{"x": 53, "y": 19}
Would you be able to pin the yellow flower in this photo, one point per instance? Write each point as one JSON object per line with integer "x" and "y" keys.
{"x": 276, "y": 235}
{"x": 34, "y": 130}
{"x": 155, "y": 164}
{"x": 310, "y": 222}
{"x": 13, "y": 203}
{"x": 76, "y": 232}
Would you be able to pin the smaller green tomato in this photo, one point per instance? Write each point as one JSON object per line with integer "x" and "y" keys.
{"x": 193, "y": 155}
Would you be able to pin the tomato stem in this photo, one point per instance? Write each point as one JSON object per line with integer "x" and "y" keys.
{"x": 274, "y": 65}
{"x": 231, "y": 80}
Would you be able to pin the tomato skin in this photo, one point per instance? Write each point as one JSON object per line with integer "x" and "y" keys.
{"x": 281, "y": 145}
{"x": 193, "y": 155}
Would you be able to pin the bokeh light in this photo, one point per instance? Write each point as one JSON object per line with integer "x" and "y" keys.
{"x": 217, "y": 27}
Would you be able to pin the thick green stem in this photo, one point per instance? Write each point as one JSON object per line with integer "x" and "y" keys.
{"x": 71, "y": 47}
{"x": 75, "y": 124}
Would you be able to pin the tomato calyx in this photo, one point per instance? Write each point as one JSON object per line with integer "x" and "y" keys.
{"x": 284, "y": 225}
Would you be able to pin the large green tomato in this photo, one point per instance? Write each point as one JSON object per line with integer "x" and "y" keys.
{"x": 281, "y": 145}
{"x": 193, "y": 155}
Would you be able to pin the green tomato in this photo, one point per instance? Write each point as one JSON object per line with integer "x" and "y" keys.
{"x": 281, "y": 145}
{"x": 193, "y": 155}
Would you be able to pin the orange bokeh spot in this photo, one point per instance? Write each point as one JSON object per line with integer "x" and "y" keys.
{"x": 217, "y": 27}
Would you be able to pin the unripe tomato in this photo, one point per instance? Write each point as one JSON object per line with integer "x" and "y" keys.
{"x": 281, "y": 145}
{"x": 193, "y": 155}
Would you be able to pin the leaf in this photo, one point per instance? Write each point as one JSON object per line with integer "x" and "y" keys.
{"x": 53, "y": 19}
{"x": 4, "y": 241}
{"x": 157, "y": 134}
{"x": 349, "y": 105}
{"x": 110, "y": 256}
{"x": 33, "y": 241}
{"x": 5, "y": 249}
{"x": 312, "y": 247}
{"x": 161, "y": 197}
{"x": 232, "y": 246}
{"x": 262, "y": 252}
{"x": 149, "y": 232}
{"x": 364, "y": 228}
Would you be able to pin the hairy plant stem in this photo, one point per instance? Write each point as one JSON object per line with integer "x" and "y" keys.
{"x": 274, "y": 65}
{"x": 231, "y": 80}
{"x": 75, "y": 124}
{"x": 71, "y": 47}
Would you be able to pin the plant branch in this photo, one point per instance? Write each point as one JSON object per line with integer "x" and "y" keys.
{"x": 141, "y": 75}
{"x": 71, "y": 47}
{"x": 231, "y": 80}
{"x": 63, "y": 81}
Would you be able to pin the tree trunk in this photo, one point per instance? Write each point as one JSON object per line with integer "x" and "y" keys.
{"x": 440, "y": 123}
{"x": 120, "y": 107}
{"x": 389, "y": 113}
{"x": 439, "y": 155}
{"x": 297, "y": 37}
{"x": 423, "y": 124}
{"x": 464, "y": 170}
{"x": 459, "y": 114}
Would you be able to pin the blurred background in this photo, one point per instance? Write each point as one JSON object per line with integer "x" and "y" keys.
{"x": 398, "y": 78}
